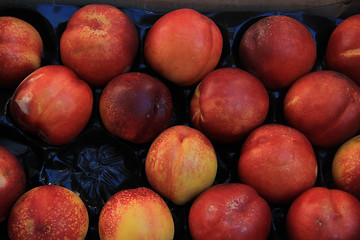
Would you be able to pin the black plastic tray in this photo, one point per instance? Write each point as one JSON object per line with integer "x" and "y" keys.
{"x": 96, "y": 164}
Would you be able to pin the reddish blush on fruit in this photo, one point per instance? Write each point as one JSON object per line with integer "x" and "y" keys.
{"x": 21, "y": 49}
{"x": 279, "y": 162}
{"x": 52, "y": 103}
{"x": 48, "y": 212}
{"x": 183, "y": 46}
{"x": 278, "y": 50}
{"x": 138, "y": 213}
{"x": 228, "y": 104}
{"x": 346, "y": 166}
{"x": 325, "y": 106}
{"x": 324, "y": 214}
{"x": 181, "y": 163}
{"x": 229, "y": 211}
{"x": 136, "y": 107}
{"x": 12, "y": 181}
{"x": 99, "y": 43}
{"x": 343, "y": 48}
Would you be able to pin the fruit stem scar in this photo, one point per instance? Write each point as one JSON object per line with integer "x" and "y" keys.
{"x": 293, "y": 101}
{"x": 351, "y": 53}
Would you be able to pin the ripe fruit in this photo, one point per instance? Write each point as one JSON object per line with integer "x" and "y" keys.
{"x": 229, "y": 211}
{"x": 229, "y": 103}
{"x": 183, "y": 46}
{"x": 48, "y": 212}
{"x": 180, "y": 164}
{"x": 278, "y": 50}
{"x": 346, "y": 166}
{"x": 325, "y": 106}
{"x": 324, "y": 214}
{"x": 342, "y": 52}
{"x": 52, "y": 103}
{"x": 136, "y": 107}
{"x": 21, "y": 48}
{"x": 12, "y": 181}
{"x": 138, "y": 213}
{"x": 279, "y": 162}
{"x": 99, "y": 43}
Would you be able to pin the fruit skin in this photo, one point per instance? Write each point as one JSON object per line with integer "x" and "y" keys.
{"x": 99, "y": 43}
{"x": 138, "y": 213}
{"x": 342, "y": 51}
{"x": 180, "y": 164}
{"x": 12, "y": 181}
{"x": 279, "y": 162}
{"x": 229, "y": 103}
{"x": 346, "y": 166}
{"x": 183, "y": 46}
{"x": 324, "y": 214}
{"x": 136, "y": 107}
{"x": 53, "y": 103}
{"x": 278, "y": 50}
{"x": 21, "y": 48}
{"x": 229, "y": 211}
{"x": 325, "y": 106}
{"x": 48, "y": 212}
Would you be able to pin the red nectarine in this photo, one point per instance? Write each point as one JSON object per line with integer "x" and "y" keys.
{"x": 100, "y": 42}
{"x": 136, "y": 107}
{"x": 229, "y": 103}
{"x": 278, "y": 50}
{"x": 183, "y": 46}
{"x": 181, "y": 163}
{"x": 53, "y": 103}
{"x": 138, "y": 213}
{"x": 48, "y": 212}
{"x": 21, "y": 48}
{"x": 279, "y": 162}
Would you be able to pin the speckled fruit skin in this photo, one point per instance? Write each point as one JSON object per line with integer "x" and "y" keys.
{"x": 279, "y": 162}
{"x": 183, "y": 46}
{"x": 229, "y": 211}
{"x": 181, "y": 163}
{"x": 12, "y": 181}
{"x": 278, "y": 50}
{"x": 228, "y": 104}
{"x": 21, "y": 49}
{"x": 136, "y": 214}
{"x": 346, "y": 166}
{"x": 53, "y": 103}
{"x": 136, "y": 107}
{"x": 99, "y": 43}
{"x": 325, "y": 106}
{"x": 324, "y": 214}
{"x": 343, "y": 49}
{"x": 48, "y": 212}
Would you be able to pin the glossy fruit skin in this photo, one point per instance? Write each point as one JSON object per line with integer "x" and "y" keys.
{"x": 136, "y": 107}
{"x": 324, "y": 214}
{"x": 279, "y": 162}
{"x": 229, "y": 211}
{"x": 325, "y": 106}
{"x": 342, "y": 51}
{"x": 278, "y": 50}
{"x": 136, "y": 214}
{"x": 346, "y": 166}
{"x": 52, "y": 103}
{"x": 228, "y": 104}
{"x": 183, "y": 46}
{"x": 48, "y": 212}
{"x": 99, "y": 43}
{"x": 12, "y": 181}
{"x": 181, "y": 163}
{"x": 21, "y": 49}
